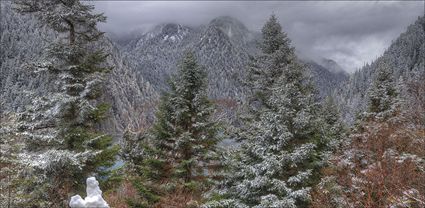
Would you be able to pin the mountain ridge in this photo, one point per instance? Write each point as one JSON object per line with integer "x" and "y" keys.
{"x": 223, "y": 46}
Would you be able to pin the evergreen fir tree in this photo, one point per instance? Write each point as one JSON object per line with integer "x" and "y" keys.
{"x": 383, "y": 92}
{"x": 333, "y": 127}
{"x": 10, "y": 168}
{"x": 279, "y": 161}
{"x": 181, "y": 146}
{"x": 274, "y": 38}
{"x": 60, "y": 127}
{"x": 265, "y": 68}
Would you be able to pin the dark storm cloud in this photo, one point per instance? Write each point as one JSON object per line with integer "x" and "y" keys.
{"x": 351, "y": 33}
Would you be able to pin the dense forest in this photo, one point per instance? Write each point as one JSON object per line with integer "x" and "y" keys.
{"x": 214, "y": 116}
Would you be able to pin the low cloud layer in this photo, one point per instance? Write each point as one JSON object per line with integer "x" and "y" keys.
{"x": 351, "y": 33}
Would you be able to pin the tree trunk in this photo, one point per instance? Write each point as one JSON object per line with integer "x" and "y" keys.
{"x": 189, "y": 174}
{"x": 187, "y": 156}
{"x": 71, "y": 34}
{"x": 10, "y": 192}
{"x": 71, "y": 31}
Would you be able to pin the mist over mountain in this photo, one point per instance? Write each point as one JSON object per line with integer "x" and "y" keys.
{"x": 223, "y": 46}
{"x": 327, "y": 76}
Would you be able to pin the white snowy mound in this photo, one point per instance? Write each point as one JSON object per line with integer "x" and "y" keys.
{"x": 93, "y": 199}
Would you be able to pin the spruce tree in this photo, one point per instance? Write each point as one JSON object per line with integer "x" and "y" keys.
{"x": 383, "y": 92}
{"x": 181, "y": 146}
{"x": 265, "y": 68}
{"x": 333, "y": 129}
{"x": 62, "y": 141}
{"x": 10, "y": 168}
{"x": 278, "y": 161}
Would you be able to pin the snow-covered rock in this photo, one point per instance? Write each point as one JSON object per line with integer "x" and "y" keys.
{"x": 93, "y": 198}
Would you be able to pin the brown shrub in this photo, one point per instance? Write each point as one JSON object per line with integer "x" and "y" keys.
{"x": 384, "y": 169}
{"x": 118, "y": 198}
{"x": 180, "y": 198}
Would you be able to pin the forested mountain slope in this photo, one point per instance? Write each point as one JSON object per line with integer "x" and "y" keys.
{"x": 327, "y": 75}
{"x": 222, "y": 46}
{"x": 405, "y": 57}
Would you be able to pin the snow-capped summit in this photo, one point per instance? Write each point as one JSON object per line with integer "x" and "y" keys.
{"x": 170, "y": 32}
{"x": 174, "y": 31}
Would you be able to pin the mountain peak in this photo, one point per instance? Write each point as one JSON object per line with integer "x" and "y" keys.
{"x": 227, "y": 24}
{"x": 232, "y": 28}
{"x": 332, "y": 66}
{"x": 168, "y": 32}
{"x": 171, "y": 29}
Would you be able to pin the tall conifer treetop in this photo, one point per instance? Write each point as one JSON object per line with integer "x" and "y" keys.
{"x": 383, "y": 92}
{"x": 273, "y": 37}
{"x": 66, "y": 16}
{"x": 268, "y": 66}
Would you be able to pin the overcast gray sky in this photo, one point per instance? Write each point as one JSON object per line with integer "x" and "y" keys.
{"x": 351, "y": 33}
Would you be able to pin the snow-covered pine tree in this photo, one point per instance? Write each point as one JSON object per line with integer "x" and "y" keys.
{"x": 10, "y": 169}
{"x": 278, "y": 161}
{"x": 383, "y": 93}
{"x": 181, "y": 145}
{"x": 62, "y": 144}
{"x": 333, "y": 128}
{"x": 265, "y": 68}
{"x": 275, "y": 39}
